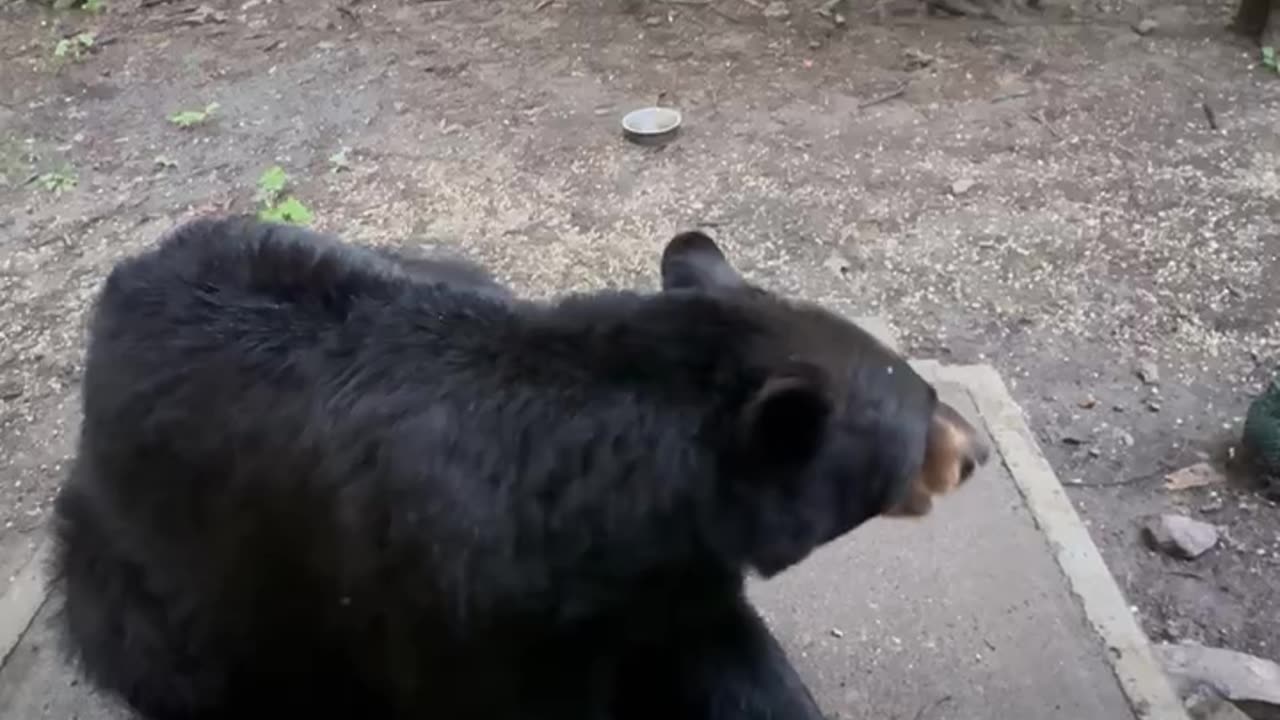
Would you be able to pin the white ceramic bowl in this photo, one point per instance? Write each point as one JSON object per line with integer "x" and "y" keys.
{"x": 651, "y": 123}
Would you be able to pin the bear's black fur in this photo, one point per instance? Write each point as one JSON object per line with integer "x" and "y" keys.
{"x": 315, "y": 481}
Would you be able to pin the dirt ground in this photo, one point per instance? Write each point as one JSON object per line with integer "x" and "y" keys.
{"x": 1052, "y": 197}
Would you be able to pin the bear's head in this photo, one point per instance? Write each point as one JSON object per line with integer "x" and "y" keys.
{"x": 836, "y": 428}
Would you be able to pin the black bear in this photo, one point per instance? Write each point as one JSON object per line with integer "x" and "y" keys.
{"x": 315, "y": 480}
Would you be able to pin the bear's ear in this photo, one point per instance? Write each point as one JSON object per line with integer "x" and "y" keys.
{"x": 785, "y": 422}
{"x": 693, "y": 261}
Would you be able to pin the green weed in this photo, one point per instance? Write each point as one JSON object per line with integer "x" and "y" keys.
{"x": 94, "y": 6}
{"x": 191, "y": 118}
{"x": 340, "y": 161}
{"x": 57, "y": 182}
{"x": 1270, "y": 59}
{"x": 275, "y": 206}
{"x": 76, "y": 46}
{"x": 290, "y": 210}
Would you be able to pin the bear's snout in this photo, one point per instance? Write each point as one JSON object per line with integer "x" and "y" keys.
{"x": 953, "y": 453}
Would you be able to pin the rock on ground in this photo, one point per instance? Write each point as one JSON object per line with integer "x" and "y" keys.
{"x": 777, "y": 11}
{"x": 1251, "y": 683}
{"x": 1207, "y": 704}
{"x": 1181, "y": 536}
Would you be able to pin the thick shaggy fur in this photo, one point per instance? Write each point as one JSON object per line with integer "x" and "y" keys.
{"x": 318, "y": 481}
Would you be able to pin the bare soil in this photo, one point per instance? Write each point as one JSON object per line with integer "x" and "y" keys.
{"x": 1063, "y": 197}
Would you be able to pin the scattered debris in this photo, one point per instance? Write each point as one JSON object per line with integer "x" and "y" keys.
{"x": 777, "y": 10}
{"x": 1181, "y": 536}
{"x": 1209, "y": 115}
{"x": 886, "y": 97}
{"x": 1148, "y": 372}
{"x": 1010, "y": 96}
{"x": 837, "y": 632}
{"x": 654, "y": 20}
{"x": 10, "y": 391}
{"x": 838, "y": 265}
{"x": 203, "y": 14}
{"x": 1201, "y": 474}
{"x": 961, "y": 186}
{"x": 164, "y": 162}
{"x": 1088, "y": 403}
{"x": 831, "y": 11}
{"x": 1044, "y": 122}
{"x": 1214, "y": 505}
{"x": 1145, "y": 26}
{"x": 917, "y": 60}
{"x": 1251, "y": 683}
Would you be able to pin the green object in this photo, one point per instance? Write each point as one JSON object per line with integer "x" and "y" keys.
{"x": 192, "y": 118}
{"x": 1261, "y": 438}
{"x": 291, "y": 210}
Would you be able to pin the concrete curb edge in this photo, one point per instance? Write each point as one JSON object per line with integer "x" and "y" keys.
{"x": 1127, "y": 647}
{"x": 23, "y": 599}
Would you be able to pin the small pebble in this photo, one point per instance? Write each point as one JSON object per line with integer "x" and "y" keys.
{"x": 777, "y": 10}
{"x": 1146, "y": 26}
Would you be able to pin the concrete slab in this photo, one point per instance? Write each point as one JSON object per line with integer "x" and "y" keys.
{"x": 965, "y": 615}
{"x": 22, "y": 597}
{"x": 997, "y": 606}
{"x": 36, "y": 684}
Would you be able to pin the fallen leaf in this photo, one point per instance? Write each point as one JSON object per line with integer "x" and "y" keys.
{"x": 1193, "y": 476}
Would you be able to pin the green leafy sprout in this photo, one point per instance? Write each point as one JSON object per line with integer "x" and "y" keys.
{"x": 192, "y": 118}
{"x": 57, "y": 182}
{"x": 275, "y": 206}
{"x": 76, "y": 46}
{"x": 1270, "y": 59}
{"x": 93, "y": 6}
{"x": 340, "y": 161}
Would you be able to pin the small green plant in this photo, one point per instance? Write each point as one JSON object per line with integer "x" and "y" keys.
{"x": 76, "y": 46}
{"x": 57, "y": 182}
{"x": 88, "y": 5}
{"x": 290, "y": 210}
{"x": 191, "y": 118}
{"x": 340, "y": 161}
{"x": 275, "y": 206}
{"x": 272, "y": 184}
{"x": 1270, "y": 60}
